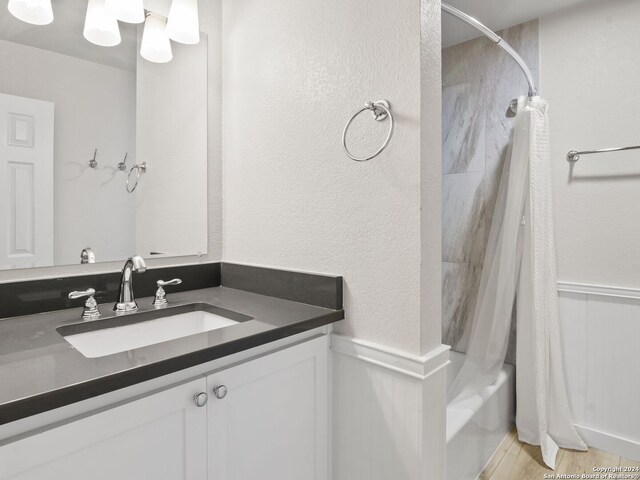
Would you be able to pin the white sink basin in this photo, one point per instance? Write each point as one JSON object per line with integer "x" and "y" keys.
{"x": 107, "y": 341}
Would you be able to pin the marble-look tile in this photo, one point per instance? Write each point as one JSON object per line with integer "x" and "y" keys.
{"x": 497, "y": 148}
{"x": 507, "y": 83}
{"x": 463, "y": 221}
{"x": 463, "y": 132}
{"x": 476, "y": 65}
{"x": 460, "y": 283}
{"x": 463, "y": 63}
{"x": 524, "y": 38}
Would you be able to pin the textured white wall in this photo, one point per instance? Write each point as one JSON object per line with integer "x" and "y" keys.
{"x": 293, "y": 74}
{"x": 94, "y": 108}
{"x": 589, "y": 74}
{"x": 430, "y": 174}
{"x": 210, "y": 16}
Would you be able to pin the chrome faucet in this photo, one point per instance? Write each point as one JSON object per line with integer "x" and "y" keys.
{"x": 126, "y": 300}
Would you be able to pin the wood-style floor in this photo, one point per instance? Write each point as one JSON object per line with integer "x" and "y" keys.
{"x": 520, "y": 461}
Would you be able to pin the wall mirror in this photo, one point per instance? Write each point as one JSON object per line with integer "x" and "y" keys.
{"x": 78, "y": 119}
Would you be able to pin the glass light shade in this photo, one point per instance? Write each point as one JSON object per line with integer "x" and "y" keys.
{"x": 156, "y": 46}
{"x": 35, "y": 12}
{"x": 129, "y": 11}
{"x": 100, "y": 27}
{"x": 183, "y": 25}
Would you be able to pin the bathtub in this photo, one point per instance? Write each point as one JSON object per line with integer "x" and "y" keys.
{"x": 477, "y": 426}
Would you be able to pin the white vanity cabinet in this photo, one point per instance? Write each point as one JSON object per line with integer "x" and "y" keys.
{"x": 160, "y": 436}
{"x": 267, "y": 418}
{"x": 271, "y": 425}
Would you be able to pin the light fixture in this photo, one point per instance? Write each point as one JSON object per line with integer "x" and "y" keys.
{"x": 100, "y": 27}
{"x": 156, "y": 46}
{"x": 36, "y": 12}
{"x": 183, "y": 25}
{"x": 101, "y": 23}
{"x": 129, "y": 11}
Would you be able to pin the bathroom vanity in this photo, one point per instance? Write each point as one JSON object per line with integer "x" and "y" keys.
{"x": 245, "y": 400}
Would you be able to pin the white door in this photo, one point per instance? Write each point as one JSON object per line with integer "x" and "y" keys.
{"x": 26, "y": 182}
{"x": 162, "y": 436}
{"x": 272, "y": 422}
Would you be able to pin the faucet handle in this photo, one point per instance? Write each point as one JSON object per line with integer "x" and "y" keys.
{"x": 90, "y": 311}
{"x": 161, "y": 300}
{"x": 87, "y": 256}
{"x": 138, "y": 264}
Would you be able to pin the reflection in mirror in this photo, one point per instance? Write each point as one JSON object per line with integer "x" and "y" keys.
{"x": 77, "y": 120}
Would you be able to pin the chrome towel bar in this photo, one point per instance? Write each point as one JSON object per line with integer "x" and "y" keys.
{"x": 574, "y": 155}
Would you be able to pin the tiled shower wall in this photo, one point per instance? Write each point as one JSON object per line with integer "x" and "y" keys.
{"x": 479, "y": 81}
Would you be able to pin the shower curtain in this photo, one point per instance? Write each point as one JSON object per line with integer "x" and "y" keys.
{"x": 520, "y": 258}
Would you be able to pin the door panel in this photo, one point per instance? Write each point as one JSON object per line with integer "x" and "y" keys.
{"x": 272, "y": 424}
{"x": 26, "y": 182}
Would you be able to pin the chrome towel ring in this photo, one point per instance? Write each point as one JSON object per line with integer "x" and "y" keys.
{"x": 380, "y": 110}
{"x": 140, "y": 168}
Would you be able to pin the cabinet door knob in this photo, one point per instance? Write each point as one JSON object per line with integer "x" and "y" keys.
{"x": 200, "y": 399}
{"x": 220, "y": 391}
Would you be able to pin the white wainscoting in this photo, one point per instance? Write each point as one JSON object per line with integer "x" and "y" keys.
{"x": 600, "y": 328}
{"x": 388, "y": 412}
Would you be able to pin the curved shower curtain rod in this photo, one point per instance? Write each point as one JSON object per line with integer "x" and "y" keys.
{"x": 498, "y": 40}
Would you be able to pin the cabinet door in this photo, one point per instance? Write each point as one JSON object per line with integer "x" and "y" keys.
{"x": 272, "y": 423}
{"x": 161, "y": 436}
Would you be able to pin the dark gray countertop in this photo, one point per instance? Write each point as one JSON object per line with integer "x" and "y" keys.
{"x": 40, "y": 370}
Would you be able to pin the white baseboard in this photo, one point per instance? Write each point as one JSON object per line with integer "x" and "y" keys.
{"x": 610, "y": 443}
